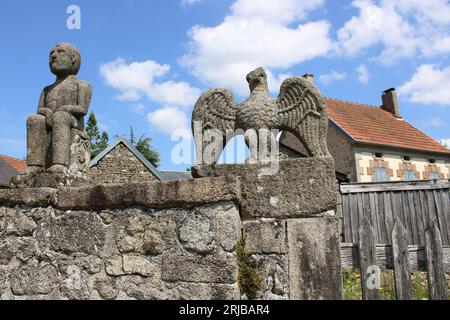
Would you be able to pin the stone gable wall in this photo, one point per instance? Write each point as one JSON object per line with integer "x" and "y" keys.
{"x": 342, "y": 152}
{"x": 338, "y": 145}
{"x": 120, "y": 166}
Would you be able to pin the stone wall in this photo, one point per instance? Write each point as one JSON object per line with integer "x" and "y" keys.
{"x": 48, "y": 251}
{"x": 342, "y": 152}
{"x": 177, "y": 240}
{"x": 120, "y": 166}
{"x": 134, "y": 253}
{"x": 290, "y": 226}
{"x": 338, "y": 145}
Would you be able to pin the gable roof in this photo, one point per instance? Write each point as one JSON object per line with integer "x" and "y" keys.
{"x": 6, "y": 173}
{"x": 374, "y": 125}
{"x": 17, "y": 164}
{"x": 136, "y": 152}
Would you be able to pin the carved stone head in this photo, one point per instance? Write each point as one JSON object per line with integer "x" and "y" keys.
{"x": 257, "y": 78}
{"x": 64, "y": 60}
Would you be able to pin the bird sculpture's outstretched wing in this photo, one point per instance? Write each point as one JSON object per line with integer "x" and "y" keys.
{"x": 302, "y": 110}
{"x": 214, "y": 113}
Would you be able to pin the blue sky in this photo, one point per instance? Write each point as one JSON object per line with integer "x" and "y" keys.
{"x": 148, "y": 61}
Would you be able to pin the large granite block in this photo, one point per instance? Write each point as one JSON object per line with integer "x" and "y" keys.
{"x": 183, "y": 193}
{"x": 299, "y": 188}
{"x": 314, "y": 259}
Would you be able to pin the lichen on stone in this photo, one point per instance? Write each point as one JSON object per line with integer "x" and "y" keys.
{"x": 249, "y": 280}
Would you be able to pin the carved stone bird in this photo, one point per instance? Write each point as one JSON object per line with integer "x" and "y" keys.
{"x": 300, "y": 109}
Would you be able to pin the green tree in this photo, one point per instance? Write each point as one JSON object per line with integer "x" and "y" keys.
{"x": 99, "y": 142}
{"x": 143, "y": 145}
{"x": 102, "y": 144}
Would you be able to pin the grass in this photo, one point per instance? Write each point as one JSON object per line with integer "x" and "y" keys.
{"x": 352, "y": 285}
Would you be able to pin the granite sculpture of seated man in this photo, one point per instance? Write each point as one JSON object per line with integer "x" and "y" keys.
{"x": 62, "y": 107}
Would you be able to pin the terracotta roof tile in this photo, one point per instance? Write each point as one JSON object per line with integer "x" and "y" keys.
{"x": 370, "y": 124}
{"x": 17, "y": 164}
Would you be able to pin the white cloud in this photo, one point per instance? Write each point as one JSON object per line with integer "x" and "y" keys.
{"x": 328, "y": 78}
{"x": 403, "y": 28}
{"x": 169, "y": 120}
{"x": 138, "y": 79}
{"x": 275, "y": 81}
{"x": 363, "y": 74}
{"x": 190, "y": 2}
{"x": 428, "y": 85}
{"x": 445, "y": 142}
{"x": 432, "y": 122}
{"x": 138, "y": 108}
{"x": 281, "y": 11}
{"x": 256, "y": 33}
{"x": 426, "y": 11}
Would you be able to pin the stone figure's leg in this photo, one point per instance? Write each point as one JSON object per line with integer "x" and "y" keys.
{"x": 37, "y": 141}
{"x": 62, "y": 124}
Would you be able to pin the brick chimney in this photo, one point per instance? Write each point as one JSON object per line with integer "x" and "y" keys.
{"x": 309, "y": 77}
{"x": 390, "y": 102}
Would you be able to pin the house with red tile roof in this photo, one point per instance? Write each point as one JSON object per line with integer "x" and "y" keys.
{"x": 375, "y": 144}
{"x": 10, "y": 167}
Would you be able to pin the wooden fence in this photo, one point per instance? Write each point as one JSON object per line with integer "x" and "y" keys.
{"x": 399, "y": 226}
{"x": 413, "y": 203}
{"x": 401, "y": 257}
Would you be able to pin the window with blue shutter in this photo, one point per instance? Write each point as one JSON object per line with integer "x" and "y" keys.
{"x": 381, "y": 175}
{"x": 433, "y": 176}
{"x": 408, "y": 175}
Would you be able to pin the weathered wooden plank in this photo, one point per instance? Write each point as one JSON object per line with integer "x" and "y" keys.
{"x": 417, "y": 257}
{"x": 445, "y": 215}
{"x": 419, "y": 218}
{"x": 374, "y": 216}
{"x": 354, "y": 217}
{"x": 350, "y": 256}
{"x": 368, "y": 259}
{"x": 413, "y": 213}
{"x": 397, "y": 210}
{"x": 347, "y": 218}
{"x": 389, "y": 215}
{"x": 445, "y": 197}
{"x": 360, "y": 200}
{"x": 347, "y": 223}
{"x": 395, "y": 186}
{"x": 437, "y": 282}
{"x": 446, "y": 257}
{"x": 382, "y": 218}
{"x": 424, "y": 210}
{"x": 368, "y": 214}
{"x": 440, "y": 217}
{"x": 446, "y": 208}
{"x": 407, "y": 217}
{"x": 432, "y": 215}
{"x": 402, "y": 270}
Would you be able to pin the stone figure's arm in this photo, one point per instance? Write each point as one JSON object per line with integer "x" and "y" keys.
{"x": 42, "y": 110}
{"x": 84, "y": 99}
